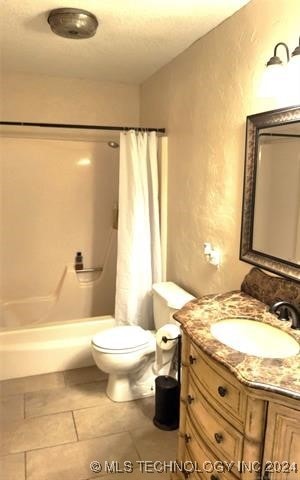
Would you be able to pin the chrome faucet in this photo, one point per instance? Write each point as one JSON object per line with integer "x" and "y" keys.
{"x": 287, "y": 311}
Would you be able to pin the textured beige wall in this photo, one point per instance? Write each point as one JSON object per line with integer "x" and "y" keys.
{"x": 34, "y": 98}
{"x": 202, "y": 98}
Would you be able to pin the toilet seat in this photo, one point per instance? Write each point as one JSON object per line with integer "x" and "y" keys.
{"x": 122, "y": 339}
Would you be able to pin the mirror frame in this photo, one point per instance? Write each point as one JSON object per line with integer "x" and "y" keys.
{"x": 254, "y": 123}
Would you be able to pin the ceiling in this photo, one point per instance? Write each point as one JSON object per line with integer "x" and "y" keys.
{"x": 135, "y": 38}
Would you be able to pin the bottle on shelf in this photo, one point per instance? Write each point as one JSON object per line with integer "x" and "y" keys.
{"x": 78, "y": 261}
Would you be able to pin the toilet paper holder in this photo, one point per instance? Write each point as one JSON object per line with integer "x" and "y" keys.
{"x": 178, "y": 339}
{"x": 166, "y": 339}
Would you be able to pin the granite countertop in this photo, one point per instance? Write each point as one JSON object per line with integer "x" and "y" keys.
{"x": 274, "y": 375}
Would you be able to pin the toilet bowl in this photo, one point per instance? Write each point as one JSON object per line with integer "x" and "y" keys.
{"x": 127, "y": 352}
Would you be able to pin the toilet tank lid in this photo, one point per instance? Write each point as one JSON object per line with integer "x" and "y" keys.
{"x": 175, "y": 296}
{"x": 121, "y": 338}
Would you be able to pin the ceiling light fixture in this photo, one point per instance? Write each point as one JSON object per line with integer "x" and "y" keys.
{"x": 280, "y": 76}
{"x": 113, "y": 144}
{"x": 73, "y": 23}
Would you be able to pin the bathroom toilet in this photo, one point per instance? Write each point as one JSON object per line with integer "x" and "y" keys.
{"x": 127, "y": 352}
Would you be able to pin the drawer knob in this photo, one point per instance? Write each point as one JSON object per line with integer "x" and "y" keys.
{"x": 190, "y": 399}
{"x": 218, "y": 437}
{"x": 222, "y": 391}
{"x": 214, "y": 477}
{"x": 192, "y": 359}
{"x": 187, "y": 438}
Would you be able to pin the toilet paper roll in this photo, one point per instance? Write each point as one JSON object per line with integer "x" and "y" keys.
{"x": 169, "y": 330}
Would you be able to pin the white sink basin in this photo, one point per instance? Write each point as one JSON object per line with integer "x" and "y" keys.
{"x": 249, "y": 336}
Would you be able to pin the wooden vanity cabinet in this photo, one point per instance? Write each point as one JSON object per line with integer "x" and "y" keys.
{"x": 226, "y": 426}
{"x": 282, "y": 443}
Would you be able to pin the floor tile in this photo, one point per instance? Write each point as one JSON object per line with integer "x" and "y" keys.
{"x": 108, "y": 431}
{"x": 95, "y": 421}
{"x": 11, "y": 408}
{"x": 72, "y": 461}
{"x": 28, "y": 434}
{"x": 32, "y": 384}
{"x": 84, "y": 375}
{"x": 64, "y": 399}
{"x": 12, "y": 467}
{"x": 154, "y": 444}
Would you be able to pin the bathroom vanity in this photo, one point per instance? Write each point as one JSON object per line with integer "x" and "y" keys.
{"x": 239, "y": 413}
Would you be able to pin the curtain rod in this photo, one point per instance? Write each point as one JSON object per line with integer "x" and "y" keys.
{"x": 278, "y": 135}
{"x": 86, "y": 127}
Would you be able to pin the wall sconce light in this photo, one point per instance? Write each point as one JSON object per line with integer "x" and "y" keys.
{"x": 296, "y": 52}
{"x": 275, "y": 60}
{"x": 280, "y": 77}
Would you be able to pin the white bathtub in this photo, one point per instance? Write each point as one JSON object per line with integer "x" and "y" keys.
{"x": 50, "y": 348}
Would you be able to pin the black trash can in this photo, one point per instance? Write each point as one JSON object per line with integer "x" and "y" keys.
{"x": 167, "y": 392}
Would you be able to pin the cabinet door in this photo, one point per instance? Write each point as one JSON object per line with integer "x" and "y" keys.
{"x": 282, "y": 443}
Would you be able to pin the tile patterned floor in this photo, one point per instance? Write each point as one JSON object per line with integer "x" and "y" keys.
{"x": 53, "y": 426}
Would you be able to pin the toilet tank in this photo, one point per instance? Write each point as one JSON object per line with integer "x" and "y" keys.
{"x": 167, "y": 299}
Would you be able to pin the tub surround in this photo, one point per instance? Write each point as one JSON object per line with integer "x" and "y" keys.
{"x": 41, "y": 285}
{"x": 273, "y": 375}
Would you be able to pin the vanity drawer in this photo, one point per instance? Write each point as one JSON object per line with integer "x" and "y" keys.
{"x": 208, "y": 466}
{"x": 219, "y": 387}
{"x": 181, "y": 472}
{"x": 189, "y": 464}
{"x": 223, "y": 438}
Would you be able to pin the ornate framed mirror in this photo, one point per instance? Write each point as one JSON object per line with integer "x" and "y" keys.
{"x": 270, "y": 230}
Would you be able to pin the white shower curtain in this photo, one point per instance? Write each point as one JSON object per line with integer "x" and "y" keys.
{"x": 139, "y": 249}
